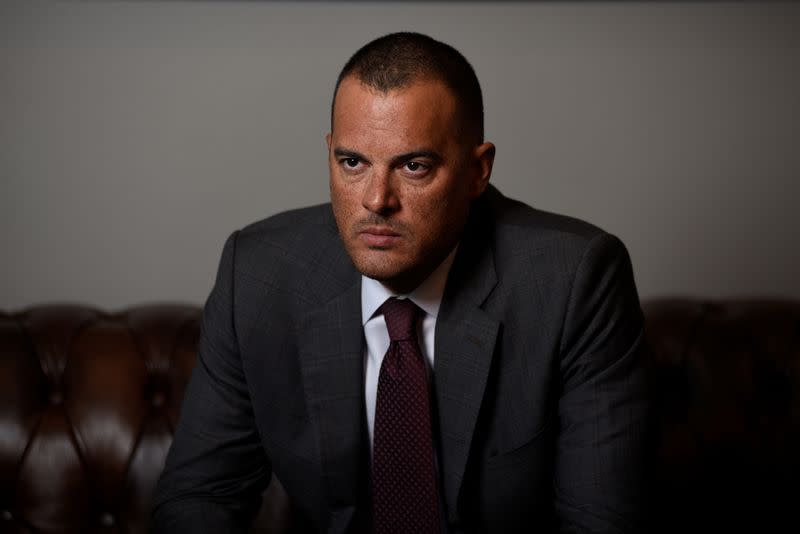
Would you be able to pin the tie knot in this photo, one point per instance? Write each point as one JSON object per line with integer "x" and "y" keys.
{"x": 401, "y": 318}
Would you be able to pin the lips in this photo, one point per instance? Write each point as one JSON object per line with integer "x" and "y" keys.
{"x": 378, "y": 236}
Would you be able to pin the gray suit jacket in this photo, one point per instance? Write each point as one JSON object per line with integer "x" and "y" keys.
{"x": 539, "y": 388}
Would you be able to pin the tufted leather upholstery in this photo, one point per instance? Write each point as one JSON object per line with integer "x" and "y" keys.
{"x": 88, "y": 401}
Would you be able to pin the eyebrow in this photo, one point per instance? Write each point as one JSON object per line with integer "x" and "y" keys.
{"x": 396, "y": 160}
{"x": 408, "y": 156}
{"x": 345, "y": 153}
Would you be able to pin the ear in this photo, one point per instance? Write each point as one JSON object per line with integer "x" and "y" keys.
{"x": 483, "y": 156}
{"x": 328, "y": 141}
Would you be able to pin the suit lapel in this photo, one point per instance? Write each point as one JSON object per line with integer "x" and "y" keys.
{"x": 465, "y": 342}
{"x": 331, "y": 353}
{"x": 331, "y": 358}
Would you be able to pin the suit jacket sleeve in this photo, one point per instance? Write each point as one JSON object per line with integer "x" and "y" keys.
{"x": 216, "y": 467}
{"x": 601, "y": 447}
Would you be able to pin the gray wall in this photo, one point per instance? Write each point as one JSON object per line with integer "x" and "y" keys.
{"x": 135, "y": 136}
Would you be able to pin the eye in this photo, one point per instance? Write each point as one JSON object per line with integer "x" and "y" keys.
{"x": 415, "y": 169}
{"x": 351, "y": 164}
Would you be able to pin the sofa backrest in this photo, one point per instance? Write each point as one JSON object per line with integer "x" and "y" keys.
{"x": 89, "y": 401}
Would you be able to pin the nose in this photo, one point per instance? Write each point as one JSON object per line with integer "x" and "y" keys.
{"x": 379, "y": 194}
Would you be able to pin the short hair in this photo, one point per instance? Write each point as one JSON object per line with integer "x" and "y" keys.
{"x": 397, "y": 60}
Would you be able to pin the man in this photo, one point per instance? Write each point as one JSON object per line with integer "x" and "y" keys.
{"x": 522, "y": 403}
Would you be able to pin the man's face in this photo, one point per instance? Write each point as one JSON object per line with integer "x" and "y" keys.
{"x": 401, "y": 179}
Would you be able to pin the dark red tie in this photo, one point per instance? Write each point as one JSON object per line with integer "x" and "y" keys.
{"x": 405, "y": 496}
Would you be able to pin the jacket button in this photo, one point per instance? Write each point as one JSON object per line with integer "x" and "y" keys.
{"x": 107, "y": 520}
{"x": 6, "y": 515}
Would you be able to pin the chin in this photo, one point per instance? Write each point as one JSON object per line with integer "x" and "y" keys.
{"x": 376, "y": 272}
{"x": 377, "y": 265}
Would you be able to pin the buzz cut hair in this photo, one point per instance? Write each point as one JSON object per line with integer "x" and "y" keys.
{"x": 397, "y": 60}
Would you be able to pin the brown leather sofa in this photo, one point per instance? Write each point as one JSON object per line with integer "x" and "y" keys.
{"x": 88, "y": 402}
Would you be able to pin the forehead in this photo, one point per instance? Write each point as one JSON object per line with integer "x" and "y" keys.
{"x": 422, "y": 112}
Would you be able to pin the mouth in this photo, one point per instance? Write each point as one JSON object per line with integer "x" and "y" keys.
{"x": 379, "y": 237}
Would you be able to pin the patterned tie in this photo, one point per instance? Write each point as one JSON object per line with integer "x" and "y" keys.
{"x": 404, "y": 484}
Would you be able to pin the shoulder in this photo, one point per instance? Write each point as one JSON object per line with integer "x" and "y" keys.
{"x": 293, "y": 257}
{"x": 286, "y": 248}
{"x": 522, "y": 229}
{"x": 289, "y": 225}
{"x": 514, "y": 217}
{"x": 292, "y": 235}
{"x": 536, "y": 252}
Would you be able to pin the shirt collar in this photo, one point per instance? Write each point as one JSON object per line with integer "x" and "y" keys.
{"x": 427, "y": 295}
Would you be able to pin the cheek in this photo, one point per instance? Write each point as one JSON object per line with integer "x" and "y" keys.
{"x": 447, "y": 200}
{"x": 437, "y": 217}
{"x": 340, "y": 208}
{"x": 347, "y": 209}
{"x": 341, "y": 196}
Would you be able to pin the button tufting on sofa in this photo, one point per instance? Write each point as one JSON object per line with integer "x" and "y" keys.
{"x": 107, "y": 520}
{"x": 89, "y": 401}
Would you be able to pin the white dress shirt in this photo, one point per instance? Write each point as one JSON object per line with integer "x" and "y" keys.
{"x": 428, "y": 296}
